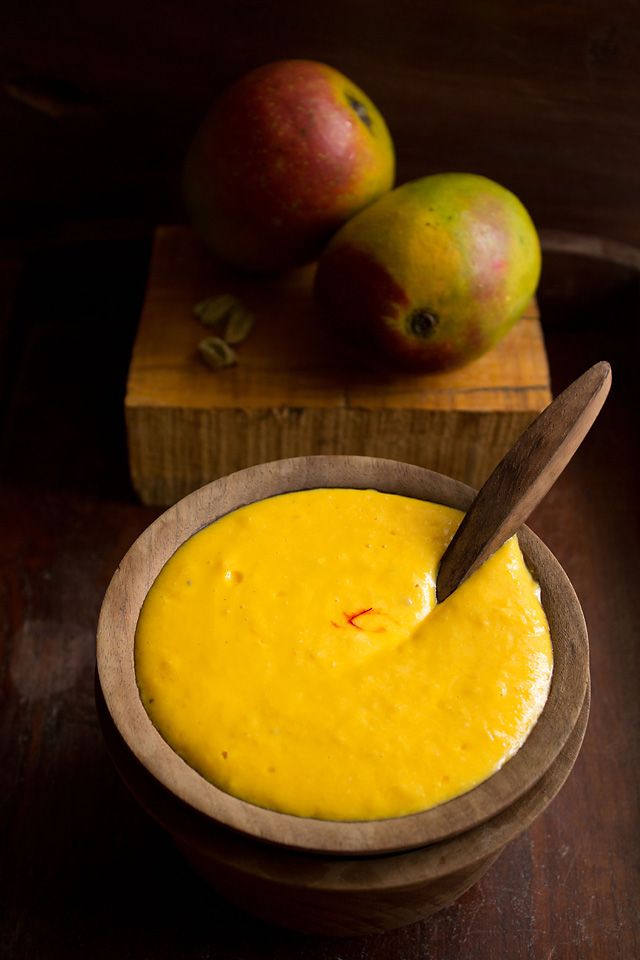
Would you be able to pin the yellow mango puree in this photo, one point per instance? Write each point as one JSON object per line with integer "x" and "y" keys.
{"x": 293, "y": 654}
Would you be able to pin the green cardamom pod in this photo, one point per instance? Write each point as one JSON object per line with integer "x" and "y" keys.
{"x": 216, "y": 353}
{"x": 214, "y": 310}
{"x": 239, "y": 324}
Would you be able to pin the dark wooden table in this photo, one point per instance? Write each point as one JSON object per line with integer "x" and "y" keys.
{"x": 83, "y": 873}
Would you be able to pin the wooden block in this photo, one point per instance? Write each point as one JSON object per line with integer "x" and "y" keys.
{"x": 291, "y": 394}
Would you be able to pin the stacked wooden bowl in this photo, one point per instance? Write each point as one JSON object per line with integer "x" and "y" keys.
{"x": 325, "y": 876}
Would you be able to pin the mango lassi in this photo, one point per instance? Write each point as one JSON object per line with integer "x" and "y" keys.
{"x": 292, "y": 653}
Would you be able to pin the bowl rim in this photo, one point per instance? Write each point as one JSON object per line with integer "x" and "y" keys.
{"x": 143, "y": 561}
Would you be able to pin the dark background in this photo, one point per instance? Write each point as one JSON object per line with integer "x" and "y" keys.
{"x": 100, "y": 99}
{"x": 98, "y": 102}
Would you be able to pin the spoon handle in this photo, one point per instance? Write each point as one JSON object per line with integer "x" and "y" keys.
{"x": 523, "y": 477}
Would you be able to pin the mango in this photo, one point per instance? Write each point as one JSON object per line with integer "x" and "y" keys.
{"x": 284, "y": 157}
{"x": 431, "y": 275}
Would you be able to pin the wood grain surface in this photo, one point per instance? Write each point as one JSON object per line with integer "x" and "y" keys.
{"x": 84, "y": 873}
{"x": 291, "y": 393}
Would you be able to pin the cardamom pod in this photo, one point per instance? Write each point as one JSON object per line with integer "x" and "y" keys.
{"x": 214, "y": 310}
{"x": 239, "y": 324}
{"x": 216, "y": 353}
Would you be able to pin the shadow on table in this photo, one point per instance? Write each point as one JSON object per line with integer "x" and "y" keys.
{"x": 104, "y": 881}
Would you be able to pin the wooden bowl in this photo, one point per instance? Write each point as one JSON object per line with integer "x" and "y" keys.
{"x": 515, "y": 783}
{"x": 336, "y": 896}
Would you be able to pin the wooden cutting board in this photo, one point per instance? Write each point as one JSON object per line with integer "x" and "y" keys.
{"x": 291, "y": 394}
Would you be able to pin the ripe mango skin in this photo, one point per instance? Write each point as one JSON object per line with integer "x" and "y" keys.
{"x": 432, "y": 275}
{"x": 286, "y": 155}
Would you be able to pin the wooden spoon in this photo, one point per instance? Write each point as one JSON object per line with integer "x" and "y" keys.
{"x": 523, "y": 477}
